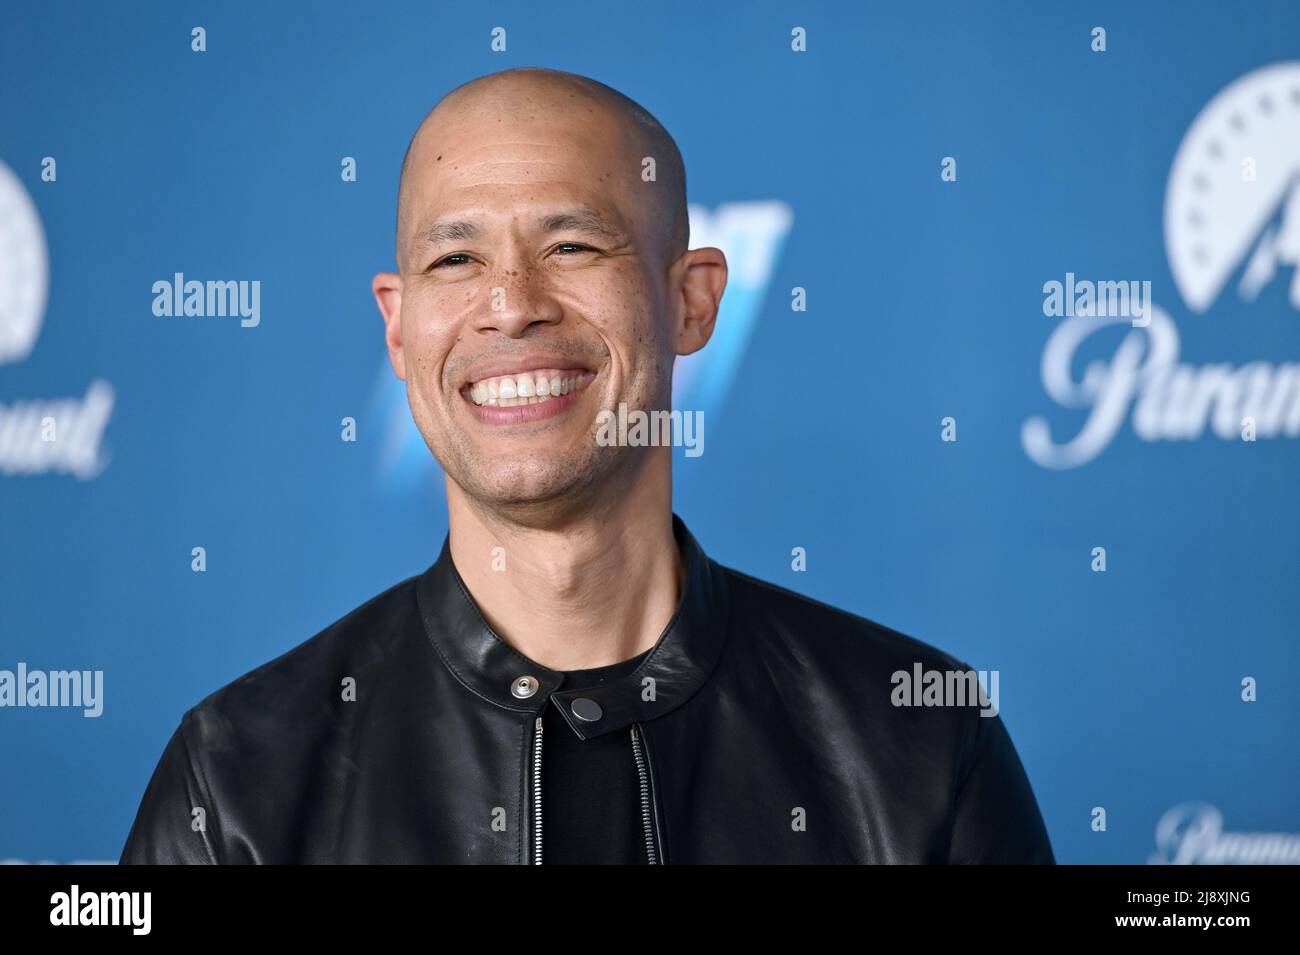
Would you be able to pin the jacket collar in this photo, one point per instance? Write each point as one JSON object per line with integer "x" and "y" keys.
{"x": 489, "y": 667}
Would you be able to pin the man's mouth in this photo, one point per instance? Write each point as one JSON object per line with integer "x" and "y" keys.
{"x": 528, "y": 387}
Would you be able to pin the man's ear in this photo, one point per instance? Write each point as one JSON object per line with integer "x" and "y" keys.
{"x": 704, "y": 280}
{"x": 387, "y": 287}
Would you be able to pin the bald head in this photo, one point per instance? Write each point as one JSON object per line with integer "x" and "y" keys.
{"x": 519, "y": 96}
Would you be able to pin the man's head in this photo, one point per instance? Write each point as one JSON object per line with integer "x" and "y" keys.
{"x": 518, "y": 95}
{"x": 541, "y": 244}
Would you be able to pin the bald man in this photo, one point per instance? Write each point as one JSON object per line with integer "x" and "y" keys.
{"x": 573, "y": 680}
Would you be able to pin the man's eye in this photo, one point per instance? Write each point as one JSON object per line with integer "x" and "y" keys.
{"x": 574, "y": 245}
{"x": 451, "y": 260}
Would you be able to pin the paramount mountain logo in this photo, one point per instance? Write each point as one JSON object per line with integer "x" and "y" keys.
{"x": 24, "y": 270}
{"x": 42, "y": 435}
{"x": 751, "y": 234}
{"x": 1232, "y": 207}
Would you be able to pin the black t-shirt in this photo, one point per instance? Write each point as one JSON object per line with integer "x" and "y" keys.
{"x": 591, "y": 794}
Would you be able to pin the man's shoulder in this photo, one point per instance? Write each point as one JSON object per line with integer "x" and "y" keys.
{"x": 844, "y": 640}
{"x": 303, "y": 682}
{"x": 251, "y": 752}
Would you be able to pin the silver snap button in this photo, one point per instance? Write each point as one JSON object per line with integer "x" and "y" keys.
{"x": 524, "y": 687}
{"x": 586, "y": 710}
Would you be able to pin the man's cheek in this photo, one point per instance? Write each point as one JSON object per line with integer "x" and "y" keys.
{"x": 425, "y": 348}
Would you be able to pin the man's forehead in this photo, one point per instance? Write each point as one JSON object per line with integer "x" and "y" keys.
{"x": 483, "y": 144}
{"x": 464, "y": 183}
{"x": 516, "y": 151}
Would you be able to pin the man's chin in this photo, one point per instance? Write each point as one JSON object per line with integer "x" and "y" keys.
{"x": 510, "y": 489}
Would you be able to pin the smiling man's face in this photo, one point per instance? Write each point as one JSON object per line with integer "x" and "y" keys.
{"x": 536, "y": 289}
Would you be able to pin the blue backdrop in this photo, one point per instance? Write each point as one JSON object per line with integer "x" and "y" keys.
{"x": 822, "y": 170}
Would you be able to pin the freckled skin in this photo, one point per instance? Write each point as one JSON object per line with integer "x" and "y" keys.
{"x": 619, "y": 308}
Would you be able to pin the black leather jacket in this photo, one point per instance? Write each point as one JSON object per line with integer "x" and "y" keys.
{"x": 761, "y": 724}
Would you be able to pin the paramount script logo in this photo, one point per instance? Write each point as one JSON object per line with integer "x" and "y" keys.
{"x": 1192, "y": 834}
{"x": 42, "y": 435}
{"x": 1232, "y": 206}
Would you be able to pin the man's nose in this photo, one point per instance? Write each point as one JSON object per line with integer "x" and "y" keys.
{"x": 517, "y": 298}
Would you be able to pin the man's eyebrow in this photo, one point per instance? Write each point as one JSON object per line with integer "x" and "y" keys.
{"x": 447, "y": 230}
{"x": 582, "y": 219}
{"x": 579, "y": 219}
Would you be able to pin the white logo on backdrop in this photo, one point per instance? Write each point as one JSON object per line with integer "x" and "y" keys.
{"x": 39, "y": 436}
{"x": 1232, "y": 205}
{"x": 1238, "y": 167}
{"x": 1192, "y": 834}
{"x": 24, "y": 269}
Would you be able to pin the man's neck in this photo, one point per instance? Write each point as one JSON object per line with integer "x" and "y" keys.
{"x": 586, "y": 592}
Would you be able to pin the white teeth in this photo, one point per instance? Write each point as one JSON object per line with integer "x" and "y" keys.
{"x": 529, "y": 388}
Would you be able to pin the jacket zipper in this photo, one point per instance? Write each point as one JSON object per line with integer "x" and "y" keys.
{"x": 643, "y": 777}
{"x": 537, "y": 792}
{"x": 647, "y": 811}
